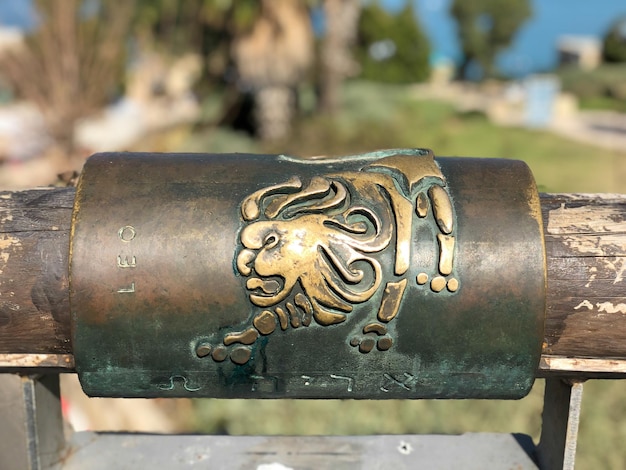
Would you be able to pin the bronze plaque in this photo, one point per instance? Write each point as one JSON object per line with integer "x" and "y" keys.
{"x": 384, "y": 275}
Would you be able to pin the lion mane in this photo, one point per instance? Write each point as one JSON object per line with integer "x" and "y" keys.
{"x": 313, "y": 244}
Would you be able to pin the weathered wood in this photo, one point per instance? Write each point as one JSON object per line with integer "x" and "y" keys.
{"x": 34, "y": 245}
{"x": 586, "y": 302}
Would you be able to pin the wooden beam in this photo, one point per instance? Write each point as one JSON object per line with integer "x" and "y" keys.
{"x": 586, "y": 301}
{"x": 586, "y": 247}
{"x": 34, "y": 246}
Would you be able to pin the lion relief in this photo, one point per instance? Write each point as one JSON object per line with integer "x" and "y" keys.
{"x": 311, "y": 251}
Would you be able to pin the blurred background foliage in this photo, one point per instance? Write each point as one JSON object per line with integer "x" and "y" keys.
{"x": 72, "y": 63}
{"x": 601, "y": 88}
{"x": 311, "y": 77}
{"x": 392, "y": 47}
{"x": 266, "y": 68}
{"x": 614, "y": 42}
{"x": 486, "y": 27}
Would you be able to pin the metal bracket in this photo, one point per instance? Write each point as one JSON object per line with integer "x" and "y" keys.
{"x": 32, "y": 437}
{"x": 559, "y": 430}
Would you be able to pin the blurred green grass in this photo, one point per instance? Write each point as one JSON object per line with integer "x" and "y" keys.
{"x": 380, "y": 116}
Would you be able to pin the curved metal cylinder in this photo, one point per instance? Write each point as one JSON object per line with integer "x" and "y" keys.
{"x": 383, "y": 275}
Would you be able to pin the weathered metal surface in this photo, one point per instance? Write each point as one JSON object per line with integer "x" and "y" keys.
{"x": 474, "y": 451}
{"x": 559, "y": 430}
{"x": 31, "y": 434}
{"x": 386, "y": 275}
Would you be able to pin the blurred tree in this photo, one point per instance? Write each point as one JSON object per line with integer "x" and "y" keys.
{"x": 614, "y": 45}
{"x": 72, "y": 62}
{"x": 486, "y": 27}
{"x": 203, "y": 27}
{"x": 341, "y": 19}
{"x": 272, "y": 59}
{"x": 262, "y": 49}
{"x": 392, "y": 47}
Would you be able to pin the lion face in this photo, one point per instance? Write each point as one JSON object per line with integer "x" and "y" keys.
{"x": 276, "y": 255}
{"x": 310, "y": 248}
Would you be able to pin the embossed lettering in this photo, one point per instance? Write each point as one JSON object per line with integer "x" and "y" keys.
{"x": 407, "y": 382}
{"x": 174, "y": 379}
{"x": 127, "y": 290}
{"x": 264, "y": 384}
{"x": 126, "y": 263}
{"x": 350, "y": 380}
{"x": 127, "y": 233}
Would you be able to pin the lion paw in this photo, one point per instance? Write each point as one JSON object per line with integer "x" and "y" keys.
{"x": 240, "y": 353}
{"x": 375, "y": 334}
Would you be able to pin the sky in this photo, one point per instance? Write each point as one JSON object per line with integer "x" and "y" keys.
{"x": 15, "y": 12}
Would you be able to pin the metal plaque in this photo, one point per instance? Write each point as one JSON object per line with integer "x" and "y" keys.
{"x": 384, "y": 275}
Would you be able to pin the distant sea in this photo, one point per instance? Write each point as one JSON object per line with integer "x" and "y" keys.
{"x": 534, "y": 49}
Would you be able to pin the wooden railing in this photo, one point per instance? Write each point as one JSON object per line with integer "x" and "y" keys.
{"x": 585, "y": 235}
{"x": 585, "y": 337}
